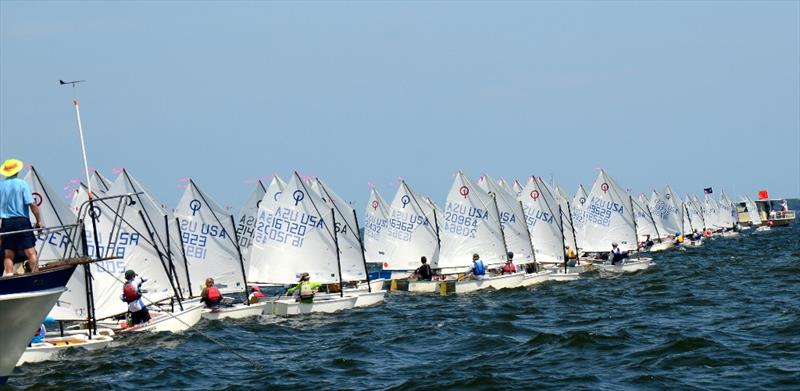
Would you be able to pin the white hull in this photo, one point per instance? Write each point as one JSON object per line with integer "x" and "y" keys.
{"x": 366, "y": 299}
{"x": 536, "y": 278}
{"x": 52, "y": 347}
{"x": 763, "y": 228}
{"x": 663, "y": 246}
{"x": 692, "y": 243}
{"x": 729, "y": 234}
{"x": 174, "y": 323}
{"x": 21, "y": 314}
{"x": 558, "y": 274}
{"x": 498, "y": 282}
{"x": 237, "y": 311}
{"x": 289, "y": 307}
{"x": 627, "y": 266}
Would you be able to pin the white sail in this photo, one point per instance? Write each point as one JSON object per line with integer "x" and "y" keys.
{"x": 512, "y": 217}
{"x": 100, "y": 184}
{"x": 294, "y": 234}
{"x": 471, "y": 225}
{"x": 246, "y": 224}
{"x": 411, "y": 231}
{"x": 209, "y": 242}
{"x": 351, "y": 251}
{"x": 711, "y": 213}
{"x": 665, "y": 212}
{"x": 563, "y": 201}
{"x": 609, "y": 217}
{"x": 542, "y": 217}
{"x": 578, "y": 208}
{"x": 752, "y": 211}
{"x": 645, "y": 224}
{"x": 271, "y": 195}
{"x": 122, "y": 235}
{"x": 376, "y": 223}
{"x": 58, "y": 244}
{"x": 726, "y": 211}
{"x": 161, "y": 221}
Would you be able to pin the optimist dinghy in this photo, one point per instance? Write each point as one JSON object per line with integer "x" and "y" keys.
{"x": 54, "y": 344}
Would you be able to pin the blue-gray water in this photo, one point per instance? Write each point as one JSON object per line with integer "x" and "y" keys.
{"x": 723, "y": 316}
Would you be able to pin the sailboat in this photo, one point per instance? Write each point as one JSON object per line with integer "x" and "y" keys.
{"x": 545, "y": 222}
{"x": 411, "y": 233}
{"x": 210, "y": 248}
{"x": 258, "y": 269}
{"x": 580, "y": 203}
{"x": 352, "y": 259}
{"x": 472, "y": 226}
{"x": 54, "y": 245}
{"x": 647, "y": 226}
{"x": 610, "y": 219}
{"x": 727, "y": 215}
{"x": 130, "y": 224}
{"x": 295, "y": 234}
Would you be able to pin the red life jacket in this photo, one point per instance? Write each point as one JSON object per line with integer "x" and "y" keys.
{"x": 509, "y": 268}
{"x": 213, "y": 294}
{"x": 129, "y": 292}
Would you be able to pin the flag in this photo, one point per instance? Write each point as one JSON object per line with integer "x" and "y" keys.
{"x": 708, "y": 190}
{"x": 763, "y": 194}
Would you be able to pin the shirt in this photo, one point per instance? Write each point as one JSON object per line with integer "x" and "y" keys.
{"x": 15, "y": 196}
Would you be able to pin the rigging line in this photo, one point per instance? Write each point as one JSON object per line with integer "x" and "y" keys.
{"x": 414, "y": 197}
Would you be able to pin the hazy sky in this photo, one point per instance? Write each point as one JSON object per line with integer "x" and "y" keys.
{"x": 693, "y": 94}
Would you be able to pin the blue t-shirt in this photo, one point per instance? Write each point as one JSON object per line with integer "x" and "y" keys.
{"x": 15, "y": 196}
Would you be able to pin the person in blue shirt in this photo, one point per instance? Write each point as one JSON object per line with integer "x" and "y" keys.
{"x": 16, "y": 200}
{"x": 478, "y": 268}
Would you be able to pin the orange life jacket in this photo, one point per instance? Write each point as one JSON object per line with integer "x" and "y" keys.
{"x": 213, "y": 294}
{"x": 129, "y": 292}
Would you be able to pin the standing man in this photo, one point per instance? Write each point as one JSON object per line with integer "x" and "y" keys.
{"x": 15, "y": 201}
{"x": 132, "y": 294}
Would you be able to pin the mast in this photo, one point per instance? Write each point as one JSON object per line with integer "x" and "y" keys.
{"x": 183, "y": 252}
{"x": 635, "y": 235}
{"x": 527, "y": 231}
{"x": 338, "y": 258}
{"x": 161, "y": 258}
{"x": 241, "y": 259}
{"x": 500, "y": 223}
{"x": 654, "y": 223}
{"x": 363, "y": 256}
{"x": 561, "y": 225}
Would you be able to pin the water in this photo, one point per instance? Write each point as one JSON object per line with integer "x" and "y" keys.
{"x": 723, "y": 316}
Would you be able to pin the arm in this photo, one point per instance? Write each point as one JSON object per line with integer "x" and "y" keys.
{"x": 292, "y": 289}
{"x": 35, "y": 211}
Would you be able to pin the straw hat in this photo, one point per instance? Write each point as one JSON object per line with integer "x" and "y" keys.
{"x": 11, "y": 167}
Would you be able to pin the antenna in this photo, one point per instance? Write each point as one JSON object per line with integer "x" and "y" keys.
{"x": 80, "y": 131}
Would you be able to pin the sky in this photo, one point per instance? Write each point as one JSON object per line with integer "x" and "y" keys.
{"x": 691, "y": 94}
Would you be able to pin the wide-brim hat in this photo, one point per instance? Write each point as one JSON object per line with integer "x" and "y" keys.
{"x": 11, "y": 167}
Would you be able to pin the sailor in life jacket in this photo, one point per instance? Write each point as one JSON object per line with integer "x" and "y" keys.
{"x": 210, "y": 295}
{"x": 478, "y": 268}
{"x": 304, "y": 290}
{"x": 132, "y": 294}
{"x": 616, "y": 254}
{"x": 256, "y": 294}
{"x": 509, "y": 267}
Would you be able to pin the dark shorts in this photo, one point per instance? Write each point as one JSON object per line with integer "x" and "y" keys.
{"x": 20, "y": 241}
{"x": 141, "y": 316}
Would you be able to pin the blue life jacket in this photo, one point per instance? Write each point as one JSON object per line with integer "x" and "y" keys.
{"x": 478, "y": 269}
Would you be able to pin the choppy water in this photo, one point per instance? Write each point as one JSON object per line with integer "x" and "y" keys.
{"x": 723, "y": 316}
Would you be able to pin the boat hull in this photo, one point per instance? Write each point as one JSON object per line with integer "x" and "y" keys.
{"x": 290, "y": 307}
{"x": 536, "y": 278}
{"x": 237, "y": 311}
{"x": 627, "y": 266}
{"x": 173, "y": 323}
{"x": 663, "y": 246}
{"x": 24, "y": 302}
{"x": 55, "y": 346}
